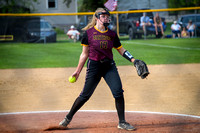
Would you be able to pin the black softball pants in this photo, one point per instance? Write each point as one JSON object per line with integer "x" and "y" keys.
{"x": 95, "y": 71}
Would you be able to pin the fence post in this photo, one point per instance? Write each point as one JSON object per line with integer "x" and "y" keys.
{"x": 117, "y": 16}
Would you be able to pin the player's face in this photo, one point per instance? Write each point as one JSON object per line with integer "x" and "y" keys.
{"x": 105, "y": 18}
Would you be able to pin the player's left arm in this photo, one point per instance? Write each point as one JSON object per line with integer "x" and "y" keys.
{"x": 121, "y": 50}
{"x": 140, "y": 65}
{"x": 126, "y": 54}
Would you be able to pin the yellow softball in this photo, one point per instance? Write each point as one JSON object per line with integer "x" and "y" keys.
{"x": 72, "y": 79}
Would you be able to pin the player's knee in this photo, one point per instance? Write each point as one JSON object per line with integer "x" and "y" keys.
{"x": 84, "y": 98}
{"x": 118, "y": 93}
{"x": 119, "y": 98}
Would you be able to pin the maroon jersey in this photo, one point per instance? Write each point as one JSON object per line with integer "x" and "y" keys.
{"x": 100, "y": 43}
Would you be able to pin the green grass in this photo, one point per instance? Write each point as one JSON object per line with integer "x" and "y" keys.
{"x": 164, "y": 51}
{"x": 65, "y": 53}
{"x": 24, "y": 55}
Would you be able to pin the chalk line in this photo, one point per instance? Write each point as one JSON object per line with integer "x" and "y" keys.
{"x": 101, "y": 111}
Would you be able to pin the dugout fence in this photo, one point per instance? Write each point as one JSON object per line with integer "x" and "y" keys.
{"x": 47, "y": 27}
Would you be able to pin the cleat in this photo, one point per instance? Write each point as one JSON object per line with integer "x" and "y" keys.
{"x": 126, "y": 126}
{"x": 64, "y": 122}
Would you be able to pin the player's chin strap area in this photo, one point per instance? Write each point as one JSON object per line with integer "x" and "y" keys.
{"x": 105, "y": 24}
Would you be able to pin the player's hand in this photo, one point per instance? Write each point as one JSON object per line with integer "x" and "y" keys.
{"x": 76, "y": 75}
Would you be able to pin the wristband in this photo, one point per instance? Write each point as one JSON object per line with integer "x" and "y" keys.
{"x": 127, "y": 55}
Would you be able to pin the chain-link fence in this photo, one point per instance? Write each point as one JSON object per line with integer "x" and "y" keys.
{"x": 133, "y": 24}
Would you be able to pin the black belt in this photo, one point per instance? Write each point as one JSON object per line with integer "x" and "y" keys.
{"x": 106, "y": 60}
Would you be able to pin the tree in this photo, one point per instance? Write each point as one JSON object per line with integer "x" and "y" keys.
{"x": 13, "y": 6}
{"x": 87, "y": 5}
{"x": 91, "y": 5}
{"x": 183, "y": 3}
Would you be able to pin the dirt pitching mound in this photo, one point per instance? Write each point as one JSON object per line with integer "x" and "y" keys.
{"x": 90, "y": 121}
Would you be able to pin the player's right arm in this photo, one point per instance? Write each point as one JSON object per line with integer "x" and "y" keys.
{"x": 83, "y": 57}
{"x": 82, "y": 60}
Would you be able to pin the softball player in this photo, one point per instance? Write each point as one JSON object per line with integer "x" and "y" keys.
{"x": 97, "y": 43}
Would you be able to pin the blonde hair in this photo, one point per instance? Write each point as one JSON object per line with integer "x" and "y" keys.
{"x": 93, "y": 20}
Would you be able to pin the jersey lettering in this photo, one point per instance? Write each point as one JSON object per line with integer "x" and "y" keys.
{"x": 103, "y": 44}
{"x": 101, "y": 37}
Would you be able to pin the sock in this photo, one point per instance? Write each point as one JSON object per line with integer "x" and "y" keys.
{"x": 119, "y": 103}
{"x": 76, "y": 106}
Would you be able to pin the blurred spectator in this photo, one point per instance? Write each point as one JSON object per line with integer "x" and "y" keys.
{"x": 176, "y": 29}
{"x": 158, "y": 23}
{"x": 144, "y": 21}
{"x": 151, "y": 21}
{"x": 73, "y": 33}
{"x": 184, "y": 33}
{"x": 138, "y": 25}
{"x": 191, "y": 28}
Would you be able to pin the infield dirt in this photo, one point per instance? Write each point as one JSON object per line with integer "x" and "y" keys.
{"x": 168, "y": 88}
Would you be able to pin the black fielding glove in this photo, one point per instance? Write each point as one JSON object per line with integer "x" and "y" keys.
{"x": 141, "y": 68}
